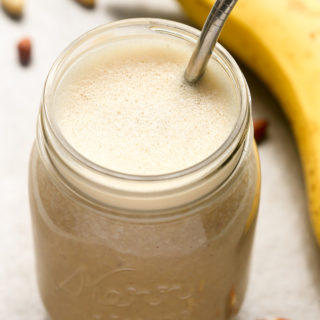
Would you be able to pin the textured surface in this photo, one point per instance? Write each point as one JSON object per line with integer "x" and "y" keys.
{"x": 285, "y": 278}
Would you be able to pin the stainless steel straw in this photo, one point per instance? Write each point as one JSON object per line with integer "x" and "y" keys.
{"x": 208, "y": 39}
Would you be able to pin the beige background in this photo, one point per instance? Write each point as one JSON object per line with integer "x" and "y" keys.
{"x": 285, "y": 278}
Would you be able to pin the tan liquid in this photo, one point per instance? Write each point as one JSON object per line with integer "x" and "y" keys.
{"x": 130, "y": 111}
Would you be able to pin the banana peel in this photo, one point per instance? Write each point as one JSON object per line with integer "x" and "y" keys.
{"x": 280, "y": 41}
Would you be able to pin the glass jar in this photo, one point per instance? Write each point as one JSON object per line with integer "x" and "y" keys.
{"x": 114, "y": 246}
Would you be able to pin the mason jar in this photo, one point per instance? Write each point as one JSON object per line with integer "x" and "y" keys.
{"x": 115, "y": 246}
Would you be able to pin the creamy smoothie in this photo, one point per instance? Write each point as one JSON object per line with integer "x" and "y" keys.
{"x": 105, "y": 254}
{"x": 127, "y": 108}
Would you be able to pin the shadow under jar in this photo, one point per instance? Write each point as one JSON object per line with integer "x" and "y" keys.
{"x": 112, "y": 245}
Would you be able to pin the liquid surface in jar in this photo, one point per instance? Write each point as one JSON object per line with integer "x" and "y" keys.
{"x": 126, "y": 107}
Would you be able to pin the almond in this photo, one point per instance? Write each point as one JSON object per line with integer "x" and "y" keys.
{"x": 260, "y": 129}
{"x": 272, "y": 318}
{"x": 24, "y": 50}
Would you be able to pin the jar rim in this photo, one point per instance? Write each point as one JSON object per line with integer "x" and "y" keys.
{"x": 108, "y": 188}
{"x": 191, "y": 34}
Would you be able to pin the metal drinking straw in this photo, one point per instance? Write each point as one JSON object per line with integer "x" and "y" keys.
{"x": 208, "y": 39}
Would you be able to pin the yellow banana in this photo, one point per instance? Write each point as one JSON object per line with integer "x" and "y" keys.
{"x": 280, "y": 41}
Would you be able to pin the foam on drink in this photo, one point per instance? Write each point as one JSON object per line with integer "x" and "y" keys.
{"x": 126, "y": 107}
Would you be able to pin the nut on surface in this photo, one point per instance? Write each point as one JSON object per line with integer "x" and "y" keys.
{"x": 24, "y": 51}
{"x": 13, "y": 7}
{"x": 87, "y": 3}
{"x": 273, "y": 318}
{"x": 260, "y": 130}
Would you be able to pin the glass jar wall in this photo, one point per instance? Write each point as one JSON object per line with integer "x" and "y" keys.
{"x": 117, "y": 246}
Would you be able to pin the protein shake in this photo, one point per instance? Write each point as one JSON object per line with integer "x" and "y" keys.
{"x": 134, "y": 217}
